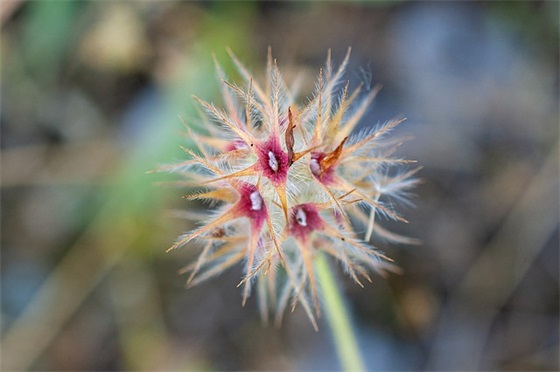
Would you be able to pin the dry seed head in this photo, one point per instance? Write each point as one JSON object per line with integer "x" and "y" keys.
{"x": 289, "y": 180}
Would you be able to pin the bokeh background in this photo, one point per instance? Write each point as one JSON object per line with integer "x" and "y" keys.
{"x": 91, "y": 93}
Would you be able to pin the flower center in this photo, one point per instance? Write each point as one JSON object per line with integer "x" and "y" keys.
{"x": 315, "y": 167}
{"x": 272, "y": 161}
{"x": 256, "y": 201}
{"x": 301, "y": 217}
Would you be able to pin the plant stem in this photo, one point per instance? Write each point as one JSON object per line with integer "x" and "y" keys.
{"x": 338, "y": 318}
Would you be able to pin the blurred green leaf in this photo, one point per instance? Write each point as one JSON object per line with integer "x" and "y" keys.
{"x": 47, "y": 31}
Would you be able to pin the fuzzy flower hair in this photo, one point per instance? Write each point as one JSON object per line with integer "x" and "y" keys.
{"x": 286, "y": 180}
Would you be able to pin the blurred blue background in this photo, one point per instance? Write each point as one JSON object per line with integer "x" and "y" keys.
{"x": 91, "y": 93}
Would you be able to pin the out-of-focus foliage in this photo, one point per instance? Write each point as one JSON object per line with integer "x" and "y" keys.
{"x": 91, "y": 93}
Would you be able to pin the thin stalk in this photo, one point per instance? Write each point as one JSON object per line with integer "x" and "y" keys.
{"x": 338, "y": 318}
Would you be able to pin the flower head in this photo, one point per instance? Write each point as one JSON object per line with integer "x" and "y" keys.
{"x": 289, "y": 180}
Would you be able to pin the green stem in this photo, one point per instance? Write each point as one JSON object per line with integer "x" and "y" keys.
{"x": 338, "y": 318}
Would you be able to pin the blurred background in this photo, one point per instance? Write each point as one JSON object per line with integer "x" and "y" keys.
{"x": 91, "y": 93}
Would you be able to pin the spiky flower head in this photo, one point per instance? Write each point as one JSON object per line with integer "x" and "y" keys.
{"x": 287, "y": 180}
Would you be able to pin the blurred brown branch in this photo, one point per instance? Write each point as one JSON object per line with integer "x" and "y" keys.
{"x": 86, "y": 162}
{"x": 60, "y": 296}
{"x": 498, "y": 270}
{"x": 7, "y": 8}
